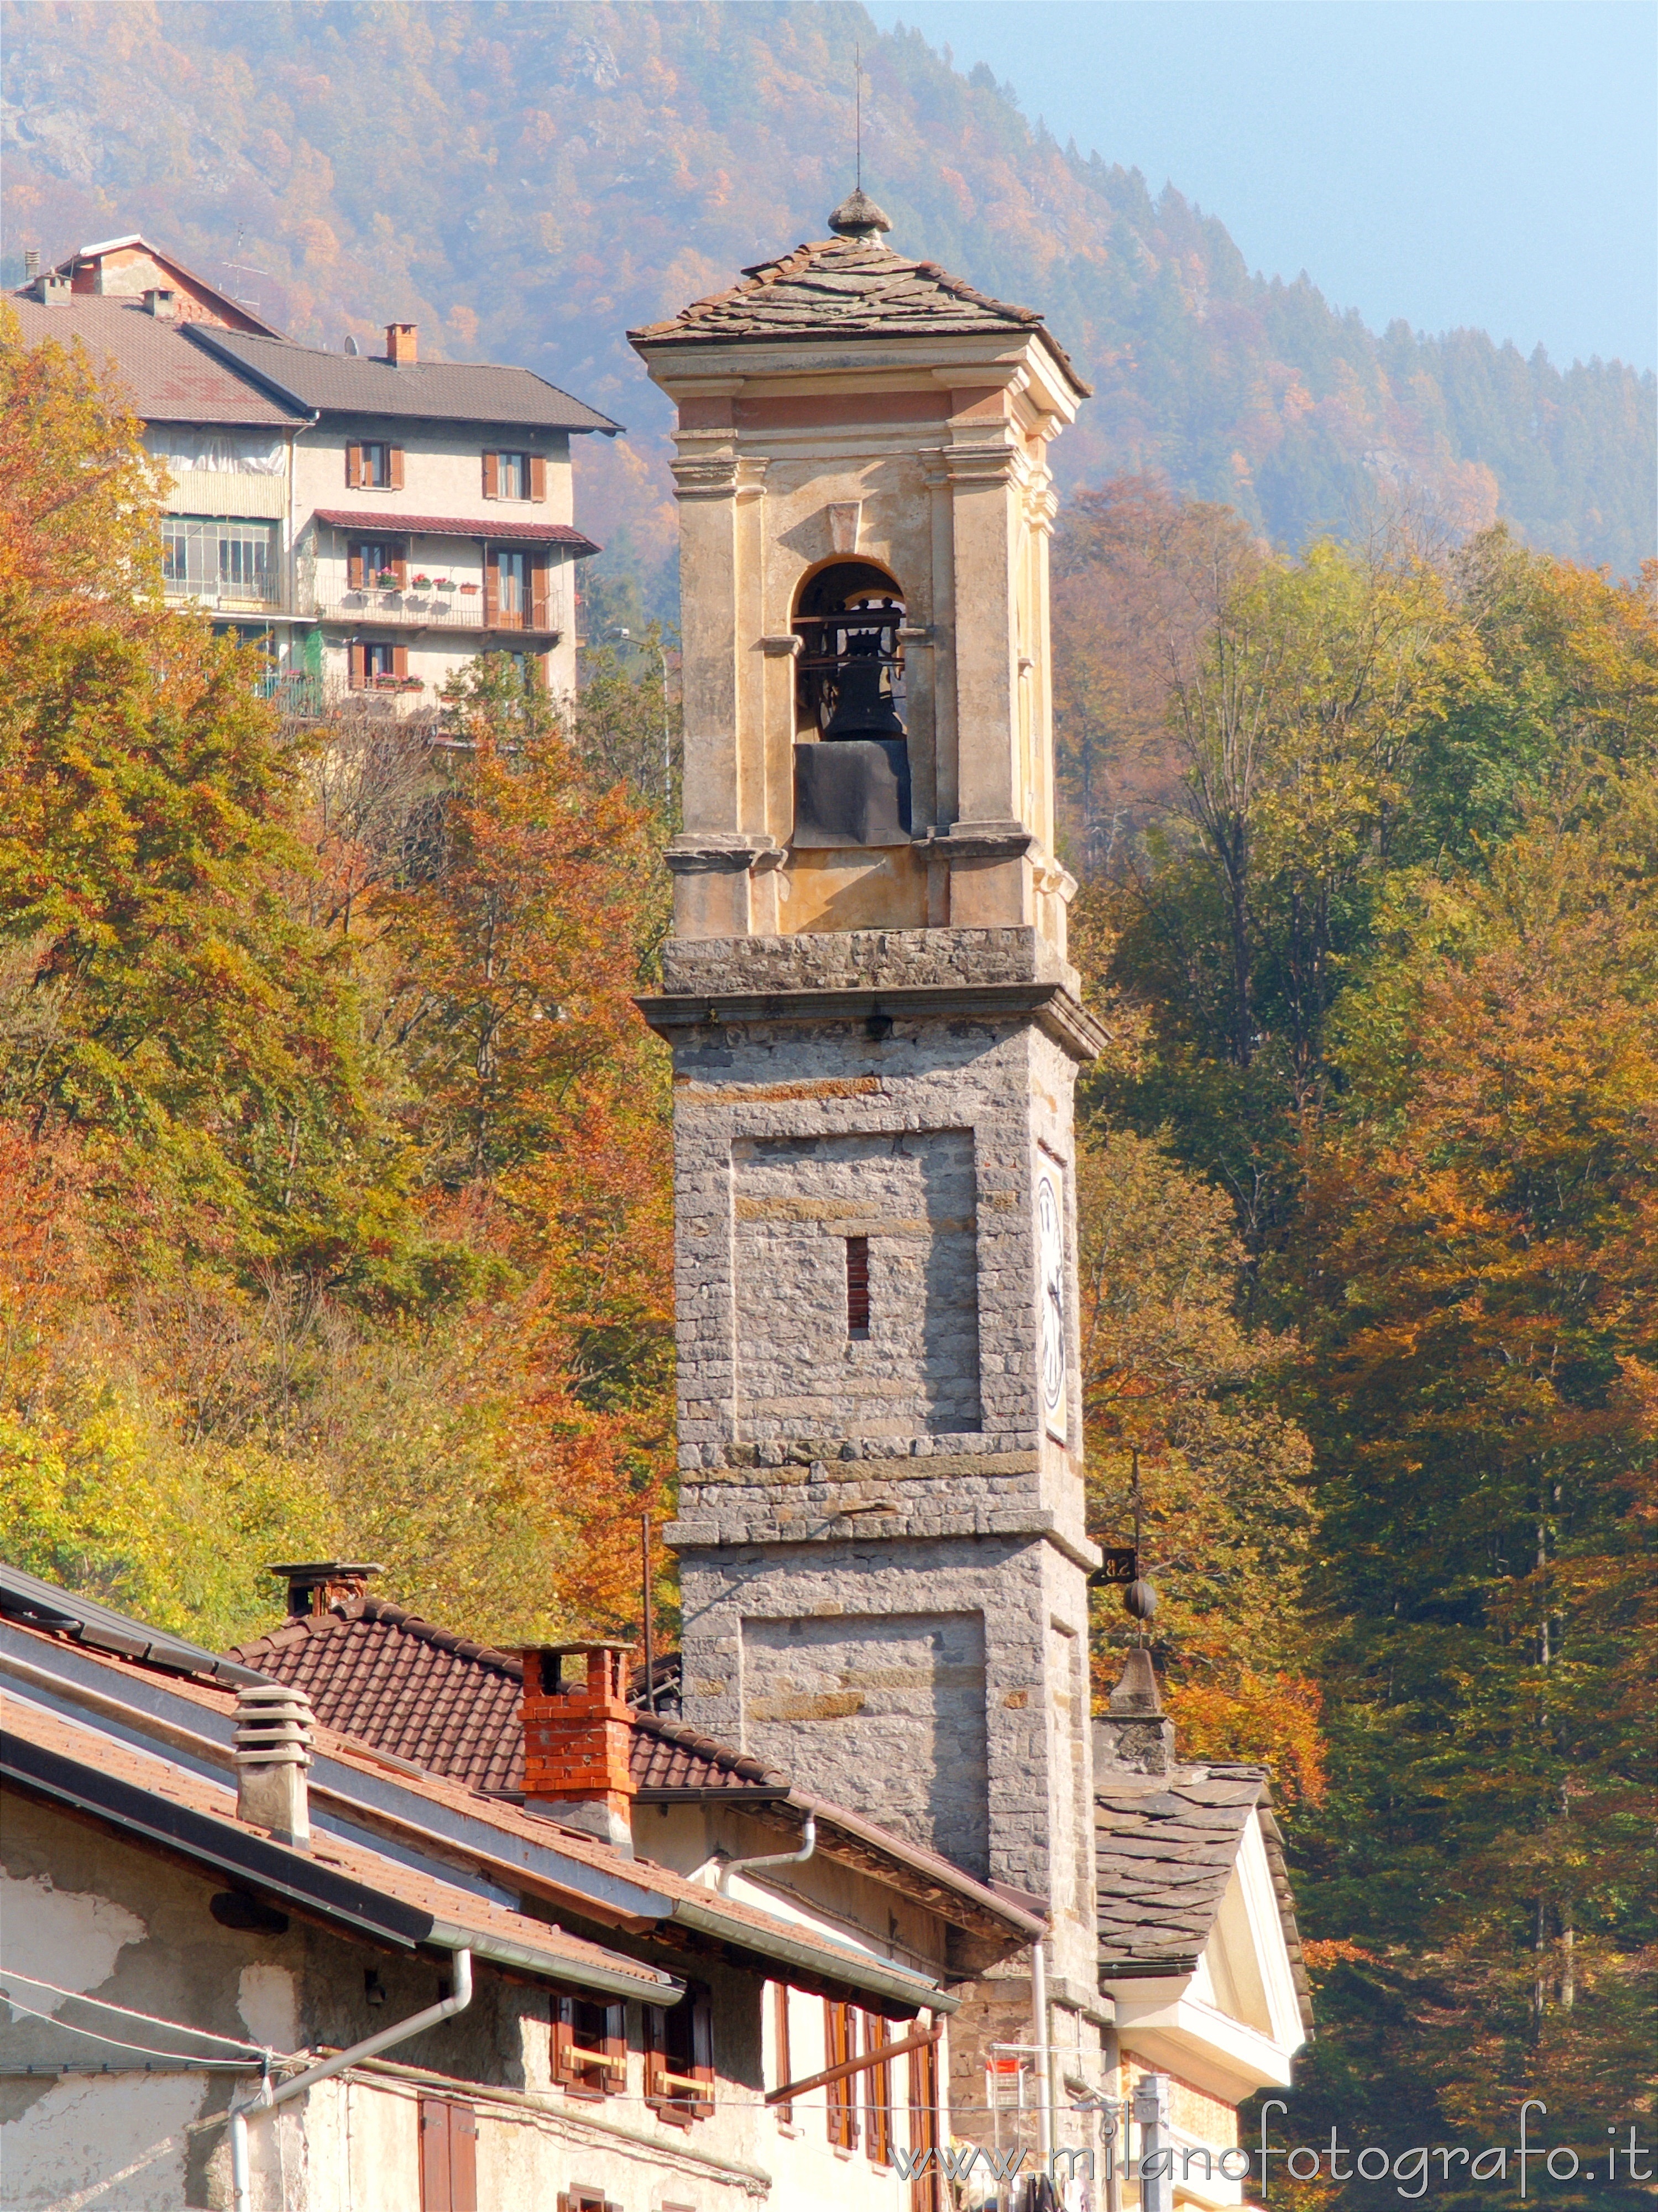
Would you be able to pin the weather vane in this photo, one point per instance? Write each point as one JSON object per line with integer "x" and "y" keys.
{"x": 1120, "y": 1565}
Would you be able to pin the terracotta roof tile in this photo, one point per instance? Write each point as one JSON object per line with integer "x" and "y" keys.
{"x": 373, "y": 1671}
{"x": 387, "y": 522}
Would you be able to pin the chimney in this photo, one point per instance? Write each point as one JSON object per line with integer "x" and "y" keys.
{"x": 162, "y": 303}
{"x": 273, "y": 1749}
{"x": 31, "y": 264}
{"x": 578, "y": 1736}
{"x": 1135, "y": 1736}
{"x": 400, "y": 346}
{"x": 57, "y": 291}
{"x": 316, "y": 1585}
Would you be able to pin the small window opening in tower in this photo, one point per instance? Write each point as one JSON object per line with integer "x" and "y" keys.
{"x": 857, "y": 1286}
{"x": 850, "y": 670}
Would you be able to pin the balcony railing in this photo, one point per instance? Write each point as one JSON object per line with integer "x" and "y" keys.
{"x": 224, "y": 599}
{"x": 413, "y": 609}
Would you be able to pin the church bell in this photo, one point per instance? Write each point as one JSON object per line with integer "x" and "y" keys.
{"x": 864, "y": 705}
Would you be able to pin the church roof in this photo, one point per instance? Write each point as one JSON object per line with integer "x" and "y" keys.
{"x": 848, "y": 287}
{"x": 1165, "y": 1846}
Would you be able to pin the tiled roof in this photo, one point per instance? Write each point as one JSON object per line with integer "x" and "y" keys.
{"x": 374, "y": 1671}
{"x": 168, "y": 377}
{"x": 1164, "y": 1850}
{"x": 389, "y": 1679}
{"x": 386, "y": 521}
{"x": 846, "y": 288}
{"x": 452, "y": 1911}
{"x": 436, "y": 390}
{"x": 515, "y": 1849}
{"x": 669, "y": 1757}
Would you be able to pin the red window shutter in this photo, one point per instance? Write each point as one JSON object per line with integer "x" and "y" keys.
{"x": 435, "y": 2194}
{"x": 780, "y": 1998}
{"x": 491, "y": 592}
{"x": 540, "y": 592}
{"x": 539, "y": 477}
{"x": 394, "y": 467}
{"x": 841, "y": 2043}
{"x": 357, "y": 663}
{"x": 400, "y": 567}
{"x": 462, "y": 2159}
{"x": 354, "y": 466}
{"x": 400, "y": 660}
{"x": 492, "y": 476}
{"x": 924, "y": 2188}
{"x": 355, "y": 578}
{"x": 877, "y": 2095}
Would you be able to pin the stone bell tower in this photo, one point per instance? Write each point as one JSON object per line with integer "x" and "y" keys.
{"x": 876, "y": 1035}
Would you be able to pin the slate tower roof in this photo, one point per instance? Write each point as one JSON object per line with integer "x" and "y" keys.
{"x": 848, "y": 287}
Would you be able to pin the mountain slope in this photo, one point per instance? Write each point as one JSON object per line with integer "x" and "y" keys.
{"x": 528, "y": 180}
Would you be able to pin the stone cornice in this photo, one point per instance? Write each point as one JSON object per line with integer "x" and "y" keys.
{"x": 1049, "y": 1006}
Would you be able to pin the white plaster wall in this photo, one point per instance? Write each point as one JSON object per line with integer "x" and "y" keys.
{"x": 443, "y": 470}
{"x": 116, "y": 2143}
{"x": 69, "y": 1938}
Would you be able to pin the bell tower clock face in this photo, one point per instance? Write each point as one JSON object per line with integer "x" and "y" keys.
{"x": 1050, "y": 1291}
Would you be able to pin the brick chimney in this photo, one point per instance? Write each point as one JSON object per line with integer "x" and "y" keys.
{"x": 578, "y": 1734}
{"x": 401, "y": 348}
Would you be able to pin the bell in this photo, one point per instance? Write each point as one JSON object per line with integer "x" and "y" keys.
{"x": 863, "y": 708}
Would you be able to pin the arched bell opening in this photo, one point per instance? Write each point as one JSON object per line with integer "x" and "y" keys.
{"x": 849, "y": 672}
{"x": 851, "y": 774}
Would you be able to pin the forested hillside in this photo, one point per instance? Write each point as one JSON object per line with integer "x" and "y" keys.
{"x": 334, "y": 1211}
{"x": 527, "y": 181}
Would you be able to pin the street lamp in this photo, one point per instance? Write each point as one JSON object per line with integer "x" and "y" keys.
{"x": 640, "y": 645}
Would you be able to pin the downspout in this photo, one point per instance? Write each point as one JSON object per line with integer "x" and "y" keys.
{"x": 1045, "y": 2059}
{"x": 267, "y": 2099}
{"x": 809, "y": 1844}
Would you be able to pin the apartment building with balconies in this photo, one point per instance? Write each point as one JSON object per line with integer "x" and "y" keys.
{"x": 371, "y": 522}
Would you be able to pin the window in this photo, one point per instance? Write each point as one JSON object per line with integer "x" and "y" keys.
{"x": 924, "y": 2125}
{"x": 878, "y": 2094}
{"x": 590, "y": 2047}
{"x": 376, "y": 668}
{"x": 449, "y": 2156}
{"x": 367, "y": 560}
{"x": 857, "y": 1286}
{"x": 219, "y": 560}
{"x": 512, "y": 587}
{"x": 514, "y": 476}
{"x": 589, "y": 2200}
{"x": 372, "y": 465}
{"x": 840, "y": 2044}
{"x": 679, "y": 2058}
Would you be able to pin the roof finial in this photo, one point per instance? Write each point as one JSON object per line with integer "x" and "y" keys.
{"x": 857, "y": 216}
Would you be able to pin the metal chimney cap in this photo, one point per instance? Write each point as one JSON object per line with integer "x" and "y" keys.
{"x": 310, "y": 1571}
{"x": 857, "y": 216}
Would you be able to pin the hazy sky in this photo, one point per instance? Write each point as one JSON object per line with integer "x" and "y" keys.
{"x": 1492, "y": 162}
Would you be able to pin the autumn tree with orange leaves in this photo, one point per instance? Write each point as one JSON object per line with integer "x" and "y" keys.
{"x": 334, "y": 1210}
